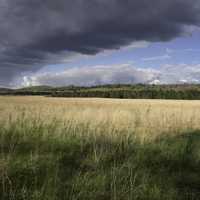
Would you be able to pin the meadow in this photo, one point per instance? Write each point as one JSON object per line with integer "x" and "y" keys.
{"x": 102, "y": 149}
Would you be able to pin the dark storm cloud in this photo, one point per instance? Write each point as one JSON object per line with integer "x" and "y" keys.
{"x": 34, "y": 33}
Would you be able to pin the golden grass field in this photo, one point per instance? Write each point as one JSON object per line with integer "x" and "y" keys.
{"x": 86, "y": 149}
{"x": 145, "y": 118}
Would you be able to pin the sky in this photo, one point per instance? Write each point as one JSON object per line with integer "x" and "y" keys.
{"x": 79, "y": 42}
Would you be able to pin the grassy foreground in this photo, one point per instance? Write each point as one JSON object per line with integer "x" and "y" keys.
{"x": 50, "y": 158}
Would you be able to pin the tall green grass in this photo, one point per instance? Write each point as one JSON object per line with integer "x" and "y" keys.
{"x": 43, "y": 162}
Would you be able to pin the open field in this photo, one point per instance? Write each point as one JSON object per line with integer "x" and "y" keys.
{"x": 65, "y": 148}
{"x": 145, "y": 118}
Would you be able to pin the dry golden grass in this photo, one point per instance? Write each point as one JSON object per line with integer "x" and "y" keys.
{"x": 146, "y": 118}
{"x": 85, "y": 149}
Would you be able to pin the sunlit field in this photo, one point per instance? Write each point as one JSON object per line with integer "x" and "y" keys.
{"x": 144, "y": 118}
{"x": 76, "y": 148}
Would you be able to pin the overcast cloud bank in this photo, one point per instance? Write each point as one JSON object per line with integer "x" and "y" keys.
{"x": 124, "y": 74}
{"x": 35, "y": 33}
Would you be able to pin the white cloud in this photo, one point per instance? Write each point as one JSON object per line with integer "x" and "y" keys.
{"x": 133, "y": 45}
{"x": 155, "y": 82}
{"x": 163, "y": 57}
{"x": 189, "y": 50}
{"x": 181, "y": 73}
{"x": 124, "y": 74}
{"x": 137, "y": 45}
{"x": 96, "y": 75}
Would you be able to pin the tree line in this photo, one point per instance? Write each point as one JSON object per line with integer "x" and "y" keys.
{"x": 139, "y": 91}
